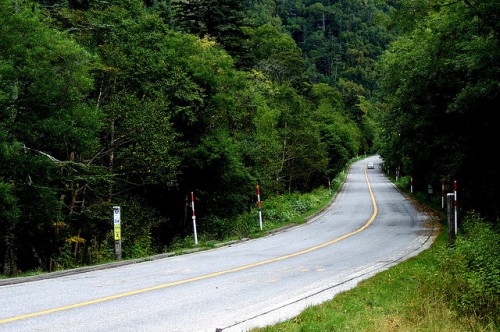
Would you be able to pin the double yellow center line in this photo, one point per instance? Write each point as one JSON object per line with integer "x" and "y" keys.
{"x": 211, "y": 275}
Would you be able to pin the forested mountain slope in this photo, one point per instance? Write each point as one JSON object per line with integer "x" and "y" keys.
{"x": 139, "y": 103}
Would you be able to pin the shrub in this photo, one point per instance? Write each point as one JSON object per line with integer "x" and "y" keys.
{"x": 471, "y": 270}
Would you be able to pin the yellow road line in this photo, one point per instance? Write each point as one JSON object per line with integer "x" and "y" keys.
{"x": 185, "y": 281}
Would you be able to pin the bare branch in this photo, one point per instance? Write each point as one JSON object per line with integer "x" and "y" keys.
{"x": 43, "y": 154}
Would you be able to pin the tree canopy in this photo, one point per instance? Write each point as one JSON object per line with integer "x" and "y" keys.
{"x": 441, "y": 80}
{"x": 139, "y": 103}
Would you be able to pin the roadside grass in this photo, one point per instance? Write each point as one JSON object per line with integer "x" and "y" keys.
{"x": 406, "y": 297}
{"x": 445, "y": 288}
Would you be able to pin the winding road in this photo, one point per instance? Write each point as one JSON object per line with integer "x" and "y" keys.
{"x": 367, "y": 228}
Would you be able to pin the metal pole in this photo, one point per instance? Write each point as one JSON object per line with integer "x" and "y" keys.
{"x": 194, "y": 220}
{"x": 260, "y": 207}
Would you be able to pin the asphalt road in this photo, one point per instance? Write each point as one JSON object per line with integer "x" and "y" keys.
{"x": 368, "y": 227}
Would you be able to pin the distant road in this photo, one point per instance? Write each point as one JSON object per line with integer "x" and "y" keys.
{"x": 369, "y": 227}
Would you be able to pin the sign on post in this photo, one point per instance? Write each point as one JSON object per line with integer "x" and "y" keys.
{"x": 117, "y": 232}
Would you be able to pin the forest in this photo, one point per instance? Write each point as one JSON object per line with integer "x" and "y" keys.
{"x": 440, "y": 82}
{"x": 137, "y": 103}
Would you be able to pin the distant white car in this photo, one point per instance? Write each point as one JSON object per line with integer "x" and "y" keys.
{"x": 370, "y": 165}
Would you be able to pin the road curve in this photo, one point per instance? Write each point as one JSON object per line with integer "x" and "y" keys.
{"x": 368, "y": 227}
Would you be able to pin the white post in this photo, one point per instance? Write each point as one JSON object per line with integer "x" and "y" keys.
{"x": 194, "y": 220}
{"x": 411, "y": 184}
{"x": 260, "y": 207}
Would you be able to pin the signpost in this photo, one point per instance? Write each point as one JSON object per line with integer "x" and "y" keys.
{"x": 117, "y": 232}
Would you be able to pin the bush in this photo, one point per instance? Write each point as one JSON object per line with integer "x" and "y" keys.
{"x": 471, "y": 270}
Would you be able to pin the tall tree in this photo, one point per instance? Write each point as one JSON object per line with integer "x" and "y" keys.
{"x": 276, "y": 55}
{"x": 441, "y": 81}
{"x": 47, "y": 129}
{"x": 222, "y": 20}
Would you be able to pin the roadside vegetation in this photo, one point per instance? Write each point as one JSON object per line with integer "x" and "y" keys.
{"x": 278, "y": 211}
{"x": 445, "y": 288}
{"x": 286, "y": 210}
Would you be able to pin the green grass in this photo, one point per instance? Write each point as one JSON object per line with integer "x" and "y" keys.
{"x": 442, "y": 289}
{"x": 406, "y": 297}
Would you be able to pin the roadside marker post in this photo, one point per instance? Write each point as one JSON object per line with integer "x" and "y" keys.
{"x": 260, "y": 207}
{"x": 456, "y": 206}
{"x": 411, "y": 184}
{"x": 117, "y": 232}
{"x": 194, "y": 220}
{"x": 442, "y": 195}
{"x": 329, "y": 186}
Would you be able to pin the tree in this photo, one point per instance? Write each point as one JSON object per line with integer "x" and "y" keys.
{"x": 441, "y": 83}
{"x": 47, "y": 130}
{"x": 339, "y": 133}
{"x": 276, "y": 55}
{"x": 222, "y": 20}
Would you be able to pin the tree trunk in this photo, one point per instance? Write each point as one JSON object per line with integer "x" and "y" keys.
{"x": 111, "y": 157}
{"x": 9, "y": 267}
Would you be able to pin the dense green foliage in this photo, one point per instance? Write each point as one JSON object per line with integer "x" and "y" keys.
{"x": 139, "y": 103}
{"x": 441, "y": 85}
{"x": 471, "y": 270}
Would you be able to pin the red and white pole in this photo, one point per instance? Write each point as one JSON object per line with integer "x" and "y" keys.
{"x": 194, "y": 220}
{"x": 260, "y": 207}
{"x": 456, "y": 205}
{"x": 442, "y": 194}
